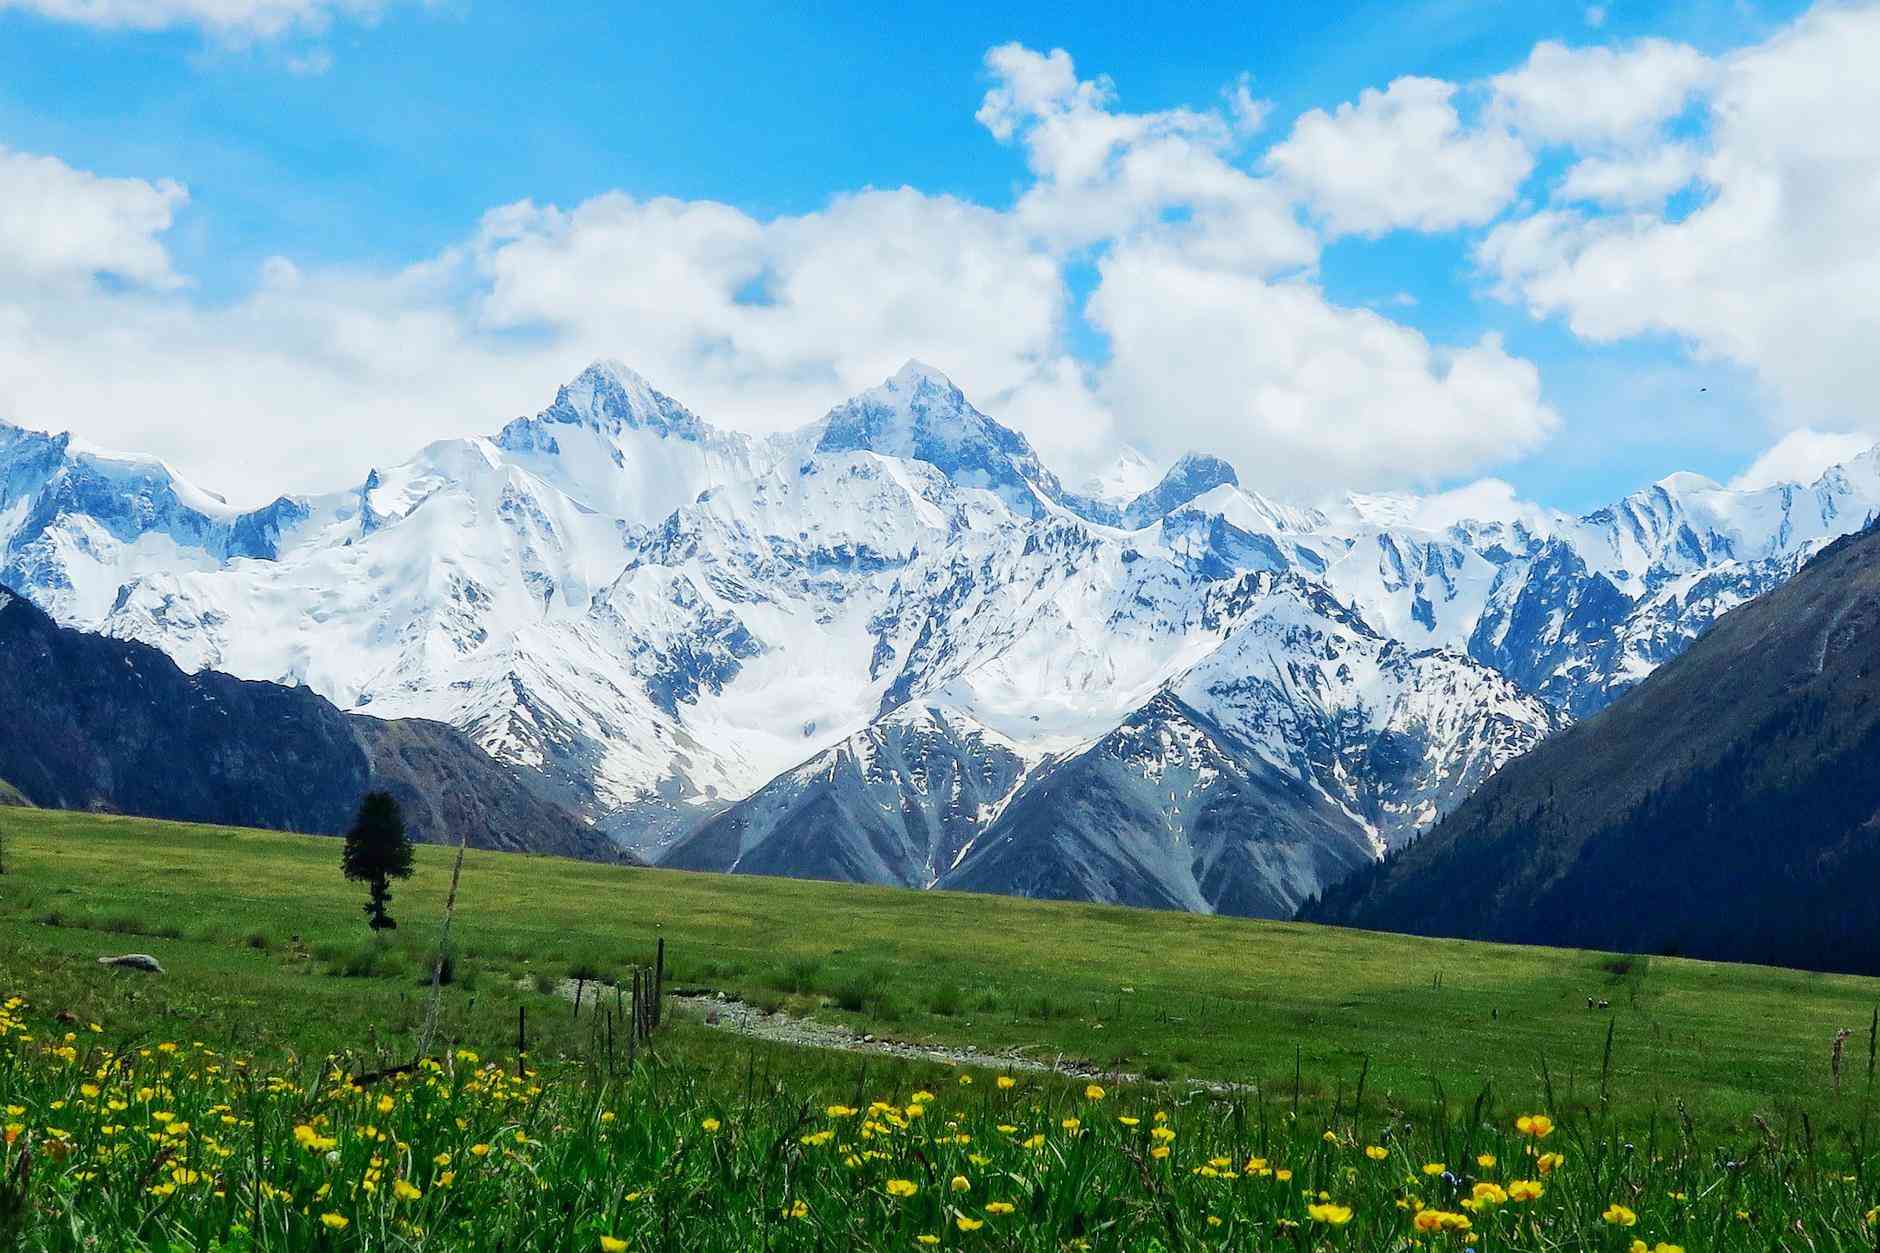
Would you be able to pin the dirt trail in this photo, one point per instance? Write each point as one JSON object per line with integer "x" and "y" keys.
{"x": 730, "y": 1014}
{"x": 723, "y": 1012}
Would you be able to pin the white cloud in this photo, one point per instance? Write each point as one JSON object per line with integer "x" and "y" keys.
{"x": 1302, "y": 395}
{"x": 1802, "y": 457}
{"x": 1776, "y": 269}
{"x": 1400, "y": 158}
{"x": 760, "y": 325}
{"x": 1632, "y": 181}
{"x": 1598, "y": 95}
{"x": 1220, "y": 337}
{"x": 246, "y": 19}
{"x": 1103, "y": 175}
{"x": 58, "y": 224}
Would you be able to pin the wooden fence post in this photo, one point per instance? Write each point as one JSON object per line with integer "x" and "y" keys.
{"x": 659, "y": 978}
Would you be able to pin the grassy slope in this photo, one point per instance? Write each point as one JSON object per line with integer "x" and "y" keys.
{"x": 10, "y": 795}
{"x": 1215, "y": 997}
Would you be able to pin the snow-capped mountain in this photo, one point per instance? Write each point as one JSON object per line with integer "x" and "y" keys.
{"x": 893, "y": 645}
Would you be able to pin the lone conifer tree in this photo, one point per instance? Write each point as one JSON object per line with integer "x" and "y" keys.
{"x": 377, "y": 851}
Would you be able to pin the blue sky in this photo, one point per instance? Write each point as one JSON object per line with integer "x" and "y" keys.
{"x": 357, "y": 142}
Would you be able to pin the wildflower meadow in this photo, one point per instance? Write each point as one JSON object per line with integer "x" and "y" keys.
{"x": 174, "y": 1145}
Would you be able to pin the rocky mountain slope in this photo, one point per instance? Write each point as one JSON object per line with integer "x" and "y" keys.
{"x": 680, "y": 631}
{"x": 98, "y": 723}
{"x": 1726, "y": 807}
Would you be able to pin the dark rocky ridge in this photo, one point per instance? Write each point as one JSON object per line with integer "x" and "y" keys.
{"x": 103, "y": 724}
{"x": 1726, "y": 807}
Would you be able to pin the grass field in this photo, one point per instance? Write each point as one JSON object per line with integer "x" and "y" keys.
{"x": 1388, "y": 1078}
{"x": 266, "y": 947}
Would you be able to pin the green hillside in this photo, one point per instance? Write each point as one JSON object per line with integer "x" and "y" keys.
{"x": 265, "y": 949}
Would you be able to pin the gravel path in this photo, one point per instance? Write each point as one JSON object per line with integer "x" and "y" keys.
{"x": 727, "y": 1013}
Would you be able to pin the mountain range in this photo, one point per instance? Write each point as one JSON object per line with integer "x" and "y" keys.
{"x": 893, "y": 646}
{"x": 1727, "y": 807}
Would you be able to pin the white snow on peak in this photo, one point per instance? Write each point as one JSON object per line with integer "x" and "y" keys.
{"x": 1126, "y": 478}
{"x": 915, "y": 372}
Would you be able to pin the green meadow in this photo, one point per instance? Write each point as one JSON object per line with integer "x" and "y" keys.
{"x": 266, "y": 948}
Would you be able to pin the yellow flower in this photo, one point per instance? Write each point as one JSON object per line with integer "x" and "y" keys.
{"x": 1071, "y": 1124}
{"x": 386, "y": 1103}
{"x": 1093, "y": 1093}
{"x": 965, "y": 1080}
{"x": 711, "y": 1125}
{"x": 960, "y": 1183}
{"x": 922, "y": 1097}
{"x": 1006, "y": 1083}
{"x": 479, "y": 1150}
{"x": 1434, "y": 1168}
{"x": 927, "y": 1239}
{"x": 1619, "y": 1216}
{"x": 1159, "y": 1152}
{"x": 1284, "y": 1176}
{"x": 1526, "y": 1190}
{"x": 1485, "y": 1160}
{"x": 1336, "y": 1215}
{"x": 1161, "y": 1135}
{"x": 612, "y": 1244}
{"x": 796, "y": 1209}
{"x": 968, "y": 1224}
{"x": 405, "y": 1191}
{"x": 1375, "y": 1152}
{"x": 1486, "y": 1193}
{"x": 1127, "y": 1121}
{"x": 1548, "y": 1162}
{"x": 1440, "y": 1220}
{"x": 902, "y": 1187}
{"x": 999, "y": 1207}
{"x": 1540, "y": 1126}
{"x": 339, "y": 1222}
{"x": 1035, "y": 1142}
{"x": 840, "y": 1111}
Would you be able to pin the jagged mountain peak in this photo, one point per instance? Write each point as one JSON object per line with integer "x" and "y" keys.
{"x": 914, "y": 372}
{"x": 609, "y": 399}
{"x": 1193, "y": 475}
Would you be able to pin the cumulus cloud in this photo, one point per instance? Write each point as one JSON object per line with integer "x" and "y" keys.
{"x": 760, "y": 322}
{"x": 241, "y": 19}
{"x": 1633, "y": 180}
{"x": 1400, "y": 158}
{"x": 58, "y": 224}
{"x": 1102, "y": 175}
{"x": 1219, "y": 334}
{"x": 1300, "y": 393}
{"x": 1802, "y": 457}
{"x": 1598, "y": 95}
{"x": 1775, "y": 269}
